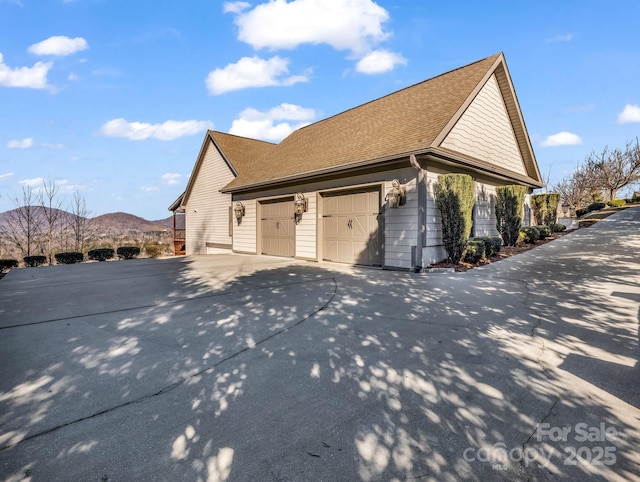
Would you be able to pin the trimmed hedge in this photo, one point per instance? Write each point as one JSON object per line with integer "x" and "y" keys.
{"x": 33, "y": 261}
{"x": 71, "y": 257}
{"x": 455, "y": 198}
{"x": 557, "y": 228}
{"x": 616, "y": 203}
{"x": 128, "y": 252}
{"x": 545, "y": 231}
{"x": 7, "y": 264}
{"x": 596, "y": 206}
{"x": 545, "y": 208}
{"x": 492, "y": 245}
{"x": 101, "y": 254}
{"x": 509, "y": 212}
{"x": 475, "y": 251}
{"x": 531, "y": 234}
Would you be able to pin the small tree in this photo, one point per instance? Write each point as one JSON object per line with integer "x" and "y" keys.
{"x": 545, "y": 208}
{"x": 509, "y": 212}
{"x": 79, "y": 222}
{"x": 51, "y": 210}
{"x": 455, "y": 199}
{"x": 24, "y": 224}
{"x": 615, "y": 169}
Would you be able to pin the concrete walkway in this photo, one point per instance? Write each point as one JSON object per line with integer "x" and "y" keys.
{"x": 254, "y": 368}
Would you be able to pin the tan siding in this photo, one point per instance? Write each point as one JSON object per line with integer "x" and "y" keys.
{"x": 400, "y": 225}
{"x": 434, "y": 221}
{"x": 484, "y": 131}
{"x": 484, "y": 213}
{"x": 207, "y": 210}
{"x": 306, "y": 230}
{"x": 244, "y": 234}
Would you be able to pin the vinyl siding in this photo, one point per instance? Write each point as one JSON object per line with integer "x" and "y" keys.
{"x": 244, "y": 234}
{"x": 484, "y": 131}
{"x": 207, "y": 209}
{"x": 400, "y": 225}
{"x": 434, "y": 221}
{"x": 306, "y": 230}
{"x": 484, "y": 212}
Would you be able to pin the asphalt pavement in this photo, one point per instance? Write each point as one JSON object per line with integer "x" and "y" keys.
{"x": 232, "y": 367}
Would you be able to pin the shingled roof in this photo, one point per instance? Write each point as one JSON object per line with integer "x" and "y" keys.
{"x": 404, "y": 122}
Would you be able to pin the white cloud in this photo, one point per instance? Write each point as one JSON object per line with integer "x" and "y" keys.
{"x": 251, "y": 72}
{"x": 73, "y": 77}
{"x": 149, "y": 188}
{"x": 25, "y": 143}
{"x": 36, "y": 182}
{"x": 261, "y": 125}
{"x": 235, "y": 7}
{"x": 379, "y": 61}
{"x": 59, "y": 45}
{"x": 630, "y": 113}
{"x": 562, "y": 139}
{"x": 31, "y": 77}
{"x": 171, "y": 178}
{"x": 565, "y": 37}
{"x": 52, "y": 145}
{"x": 353, "y": 25}
{"x": 167, "y": 131}
{"x": 4, "y": 177}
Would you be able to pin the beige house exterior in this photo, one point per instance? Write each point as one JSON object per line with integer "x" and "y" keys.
{"x": 464, "y": 121}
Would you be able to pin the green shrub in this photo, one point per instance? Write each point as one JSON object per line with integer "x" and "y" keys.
{"x": 545, "y": 231}
{"x": 581, "y": 212}
{"x": 492, "y": 245}
{"x": 33, "y": 261}
{"x": 69, "y": 258}
{"x": 596, "y": 206}
{"x": 557, "y": 228}
{"x": 616, "y": 203}
{"x": 475, "y": 251}
{"x": 509, "y": 204}
{"x": 455, "y": 198}
{"x": 7, "y": 264}
{"x": 128, "y": 252}
{"x": 153, "y": 250}
{"x": 101, "y": 254}
{"x": 531, "y": 234}
{"x": 545, "y": 207}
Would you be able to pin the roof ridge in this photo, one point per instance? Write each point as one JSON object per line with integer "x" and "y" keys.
{"x": 394, "y": 92}
{"x": 211, "y": 131}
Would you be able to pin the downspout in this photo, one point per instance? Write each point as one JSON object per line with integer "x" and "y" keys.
{"x": 421, "y": 225}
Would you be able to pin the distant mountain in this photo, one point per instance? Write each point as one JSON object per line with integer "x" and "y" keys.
{"x": 124, "y": 222}
{"x": 168, "y": 222}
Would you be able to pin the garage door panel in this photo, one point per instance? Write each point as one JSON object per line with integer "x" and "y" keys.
{"x": 278, "y": 228}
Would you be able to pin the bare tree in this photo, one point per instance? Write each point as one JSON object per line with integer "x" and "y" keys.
{"x": 24, "y": 223}
{"x": 576, "y": 191}
{"x": 79, "y": 221}
{"x": 52, "y": 211}
{"x": 615, "y": 169}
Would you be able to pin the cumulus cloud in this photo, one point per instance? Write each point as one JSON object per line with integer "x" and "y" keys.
{"x": 379, "y": 61}
{"x": 59, "y": 45}
{"x": 262, "y": 125}
{"x": 25, "y": 143}
{"x": 630, "y": 113}
{"x": 562, "y": 139}
{"x": 353, "y": 25}
{"x": 235, "y": 7}
{"x": 167, "y": 131}
{"x": 30, "y": 77}
{"x": 171, "y": 178}
{"x": 251, "y": 72}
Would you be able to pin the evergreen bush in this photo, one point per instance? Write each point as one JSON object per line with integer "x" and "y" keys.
{"x": 616, "y": 203}
{"x": 101, "y": 254}
{"x": 557, "y": 228}
{"x": 153, "y": 250}
{"x": 531, "y": 234}
{"x": 455, "y": 199}
{"x": 128, "y": 252}
{"x": 596, "y": 206}
{"x": 509, "y": 212}
{"x": 492, "y": 245}
{"x": 33, "y": 261}
{"x": 69, "y": 258}
{"x": 545, "y": 208}
{"x": 7, "y": 264}
{"x": 475, "y": 251}
{"x": 545, "y": 231}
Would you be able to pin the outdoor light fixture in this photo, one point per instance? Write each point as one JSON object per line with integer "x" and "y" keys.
{"x": 397, "y": 196}
{"x": 238, "y": 210}
{"x": 301, "y": 205}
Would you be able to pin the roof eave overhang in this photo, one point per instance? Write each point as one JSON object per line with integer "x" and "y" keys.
{"x": 440, "y": 154}
{"x": 447, "y": 156}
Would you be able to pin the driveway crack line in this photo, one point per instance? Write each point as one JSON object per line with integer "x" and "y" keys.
{"x": 182, "y": 381}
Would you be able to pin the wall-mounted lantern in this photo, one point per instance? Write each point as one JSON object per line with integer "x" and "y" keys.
{"x": 238, "y": 211}
{"x": 300, "y": 206}
{"x": 397, "y": 196}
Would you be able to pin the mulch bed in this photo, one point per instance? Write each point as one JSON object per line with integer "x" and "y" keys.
{"x": 505, "y": 252}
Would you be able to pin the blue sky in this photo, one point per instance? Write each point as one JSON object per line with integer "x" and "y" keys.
{"x": 111, "y": 98}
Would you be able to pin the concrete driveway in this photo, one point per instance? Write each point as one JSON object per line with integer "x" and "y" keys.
{"x": 246, "y": 368}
